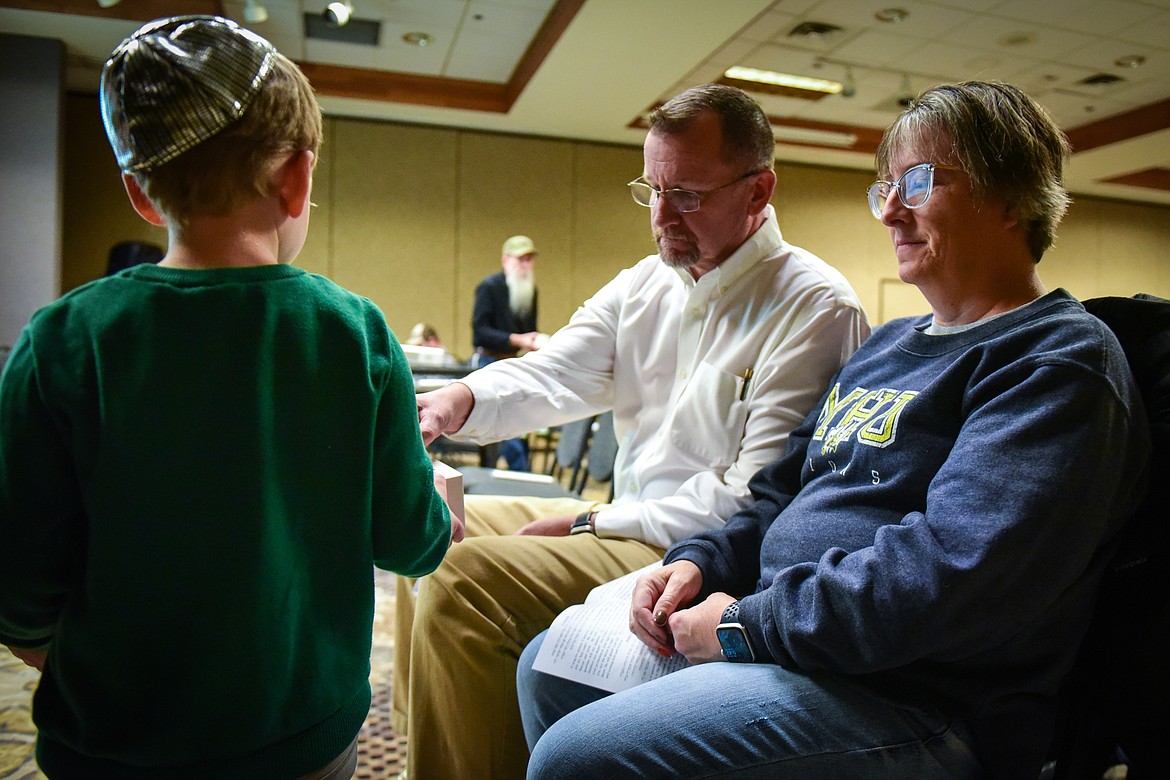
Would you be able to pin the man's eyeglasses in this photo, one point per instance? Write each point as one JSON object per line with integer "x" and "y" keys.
{"x": 913, "y": 187}
{"x": 684, "y": 201}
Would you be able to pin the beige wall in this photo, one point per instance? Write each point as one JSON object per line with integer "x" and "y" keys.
{"x": 413, "y": 218}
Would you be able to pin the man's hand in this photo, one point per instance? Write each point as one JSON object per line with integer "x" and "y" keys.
{"x": 443, "y": 410}
{"x": 529, "y": 341}
{"x": 33, "y": 658}
{"x": 657, "y": 596}
{"x": 694, "y": 629}
{"x": 548, "y": 526}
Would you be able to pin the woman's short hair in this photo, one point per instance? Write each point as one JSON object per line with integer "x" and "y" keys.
{"x": 1007, "y": 143}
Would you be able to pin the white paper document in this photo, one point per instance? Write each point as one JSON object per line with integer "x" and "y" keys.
{"x": 591, "y": 643}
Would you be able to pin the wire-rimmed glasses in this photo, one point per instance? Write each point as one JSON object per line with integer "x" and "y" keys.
{"x": 683, "y": 201}
{"x": 913, "y": 187}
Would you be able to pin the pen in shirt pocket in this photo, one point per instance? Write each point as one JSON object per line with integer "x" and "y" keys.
{"x": 746, "y": 380}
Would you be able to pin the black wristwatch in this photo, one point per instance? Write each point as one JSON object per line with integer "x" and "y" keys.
{"x": 733, "y": 638}
{"x": 583, "y": 524}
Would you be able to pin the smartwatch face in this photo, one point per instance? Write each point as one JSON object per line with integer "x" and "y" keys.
{"x": 734, "y": 642}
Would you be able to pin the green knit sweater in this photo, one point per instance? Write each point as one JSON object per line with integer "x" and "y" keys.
{"x": 198, "y": 472}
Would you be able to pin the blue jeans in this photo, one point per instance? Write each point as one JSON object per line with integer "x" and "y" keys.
{"x": 733, "y": 720}
{"x": 514, "y": 451}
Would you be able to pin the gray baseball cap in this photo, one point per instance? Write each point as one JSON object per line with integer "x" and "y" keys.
{"x": 177, "y": 82}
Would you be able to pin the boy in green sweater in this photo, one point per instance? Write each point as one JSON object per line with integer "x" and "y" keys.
{"x": 202, "y": 461}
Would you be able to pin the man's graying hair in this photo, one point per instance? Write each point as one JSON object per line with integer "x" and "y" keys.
{"x": 1007, "y": 143}
{"x": 747, "y": 133}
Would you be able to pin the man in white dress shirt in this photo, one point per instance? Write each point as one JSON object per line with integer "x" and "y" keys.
{"x": 708, "y": 353}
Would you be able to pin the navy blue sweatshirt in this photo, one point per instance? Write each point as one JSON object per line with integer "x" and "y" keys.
{"x": 939, "y": 525}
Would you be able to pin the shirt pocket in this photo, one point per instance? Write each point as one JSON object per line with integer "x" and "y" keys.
{"x": 710, "y": 417}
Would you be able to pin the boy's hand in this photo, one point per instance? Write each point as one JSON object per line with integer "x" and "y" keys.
{"x": 458, "y": 528}
{"x": 33, "y": 658}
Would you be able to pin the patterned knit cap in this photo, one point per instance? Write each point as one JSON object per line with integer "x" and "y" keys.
{"x": 177, "y": 82}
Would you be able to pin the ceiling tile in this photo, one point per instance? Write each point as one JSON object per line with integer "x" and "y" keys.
{"x": 924, "y": 19}
{"x": 1088, "y": 16}
{"x": 768, "y": 26}
{"x": 995, "y": 33}
{"x": 962, "y": 63}
{"x": 735, "y": 52}
{"x": 784, "y": 59}
{"x": 484, "y": 56}
{"x": 501, "y": 18}
{"x": 1040, "y": 78}
{"x": 416, "y": 14}
{"x": 1154, "y": 32}
{"x": 967, "y": 5}
{"x": 881, "y": 48}
{"x": 1100, "y": 54}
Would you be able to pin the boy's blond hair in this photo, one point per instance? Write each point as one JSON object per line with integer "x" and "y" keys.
{"x": 201, "y": 111}
{"x": 229, "y": 169}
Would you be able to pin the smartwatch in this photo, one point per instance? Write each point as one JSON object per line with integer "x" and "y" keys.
{"x": 733, "y": 638}
{"x": 583, "y": 524}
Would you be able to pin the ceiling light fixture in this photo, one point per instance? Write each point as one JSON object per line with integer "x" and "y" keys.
{"x": 419, "y": 38}
{"x": 786, "y": 84}
{"x": 108, "y": 3}
{"x": 337, "y": 14}
{"x": 254, "y": 12}
{"x": 905, "y": 93}
{"x": 848, "y": 86}
{"x": 808, "y": 135}
{"x": 891, "y": 15}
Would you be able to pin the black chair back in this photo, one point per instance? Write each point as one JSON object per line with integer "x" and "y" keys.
{"x": 1114, "y": 703}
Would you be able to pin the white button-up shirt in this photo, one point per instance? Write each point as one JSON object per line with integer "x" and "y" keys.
{"x": 705, "y": 378}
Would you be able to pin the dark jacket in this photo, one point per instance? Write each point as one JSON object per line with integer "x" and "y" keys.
{"x": 492, "y": 319}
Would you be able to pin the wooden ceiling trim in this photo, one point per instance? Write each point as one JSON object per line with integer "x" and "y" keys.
{"x": 360, "y": 83}
{"x": 1121, "y": 127}
{"x": 550, "y": 32}
{"x": 441, "y": 92}
{"x": 367, "y": 84}
{"x": 1150, "y": 178}
{"x": 133, "y": 10}
{"x": 866, "y": 139}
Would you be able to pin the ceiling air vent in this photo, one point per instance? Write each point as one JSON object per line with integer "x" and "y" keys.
{"x": 814, "y": 30}
{"x": 1101, "y": 80}
{"x": 364, "y": 32}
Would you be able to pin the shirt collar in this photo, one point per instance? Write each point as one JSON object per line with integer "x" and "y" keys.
{"x": 759, "y": 245}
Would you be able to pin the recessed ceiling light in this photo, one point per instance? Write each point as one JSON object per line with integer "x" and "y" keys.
{"x": 1131, "y": 61}
{"x": 891, "y": 15}
{"x": 418, "y": 38}
{"x": 783, "y": 81}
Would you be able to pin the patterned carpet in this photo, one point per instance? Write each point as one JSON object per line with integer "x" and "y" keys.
{"x": 380, "y": 750}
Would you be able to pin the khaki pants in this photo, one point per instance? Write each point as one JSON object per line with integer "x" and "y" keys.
{"x": 340, "y": 768}
{"x": 455, "y": 663}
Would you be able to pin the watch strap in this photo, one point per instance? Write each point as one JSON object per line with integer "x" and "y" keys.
{"x": 583, "y": 524}
{"x": 733, "y": 637}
